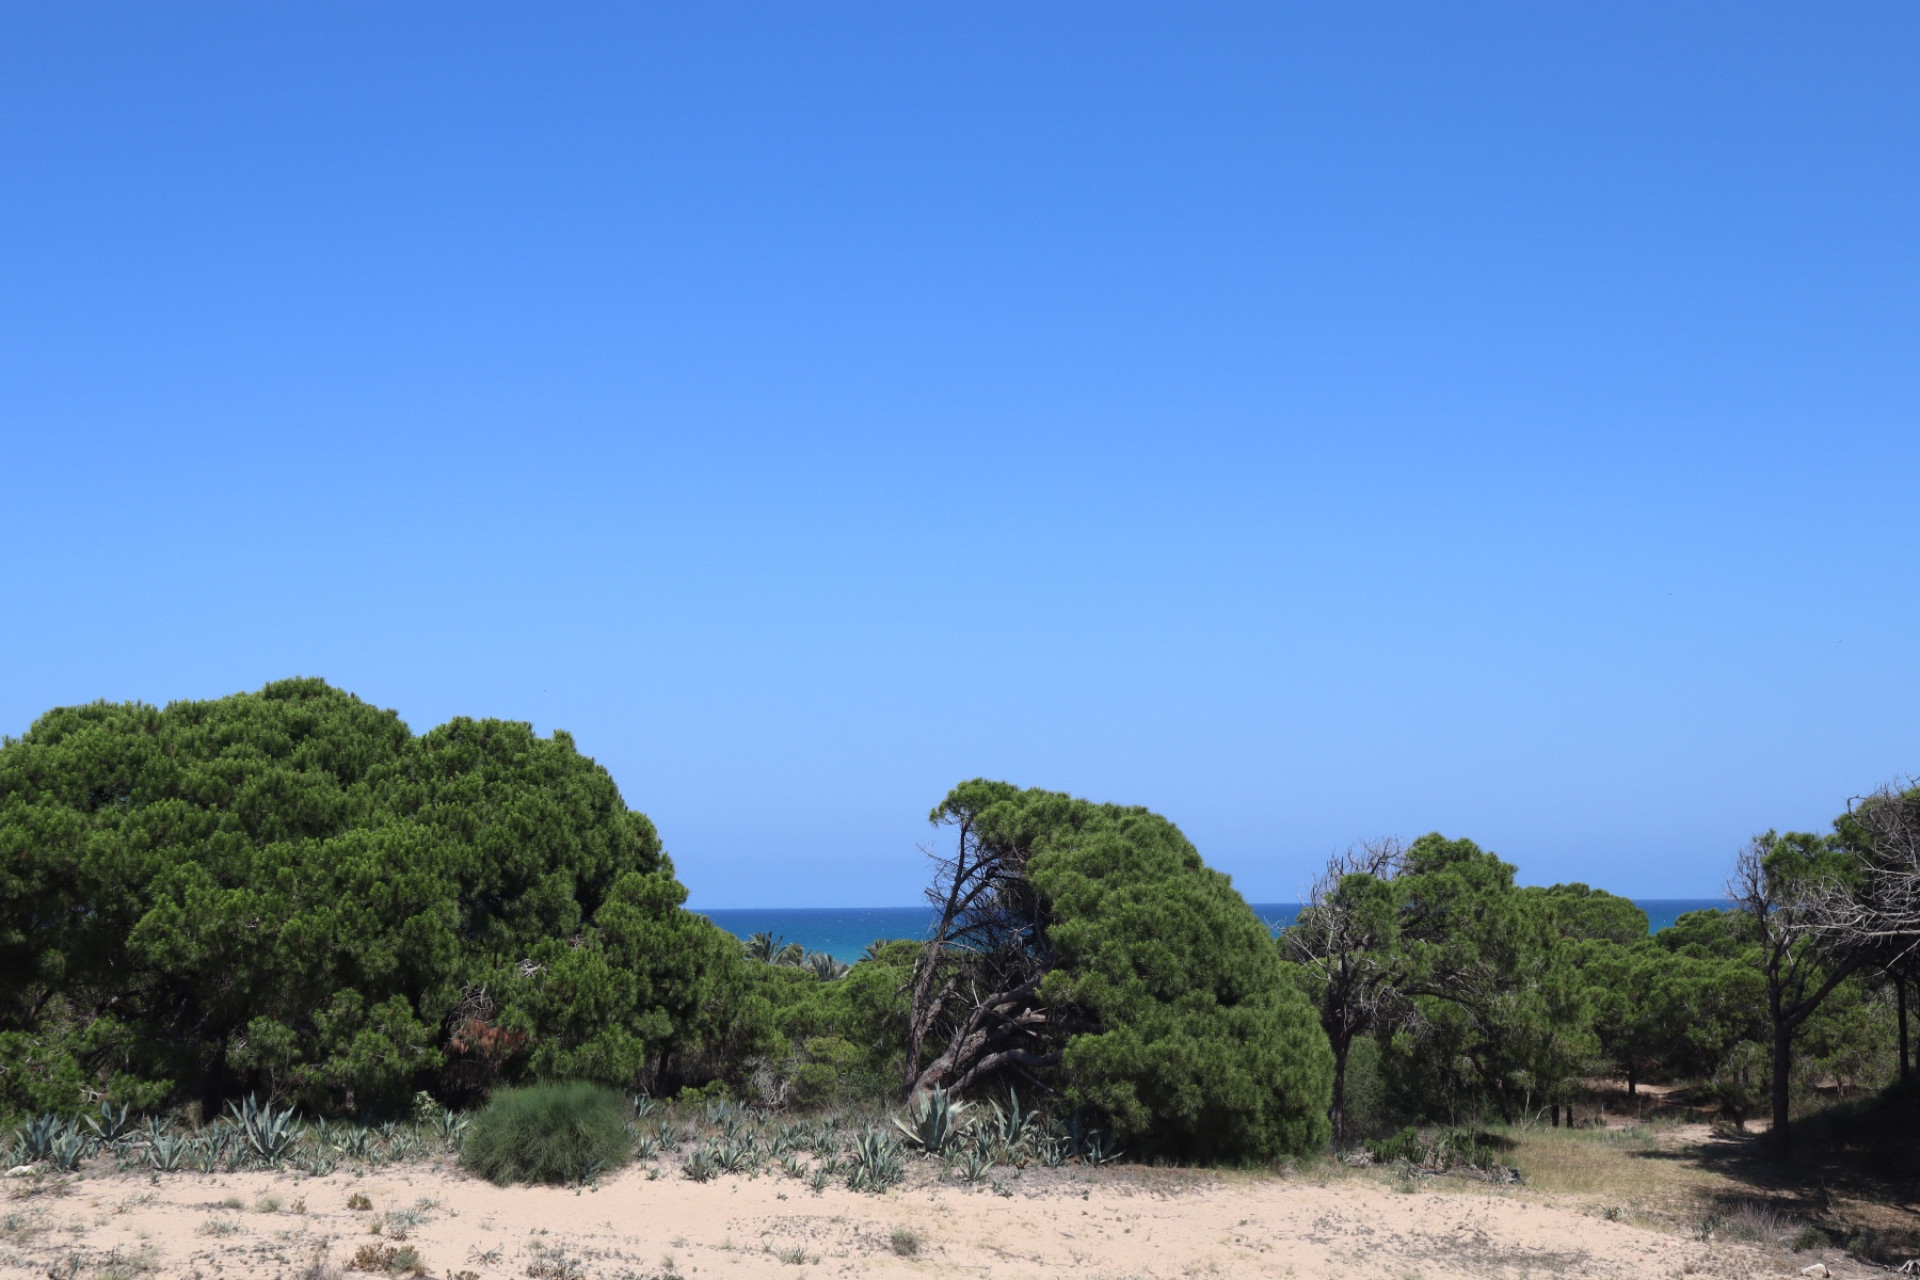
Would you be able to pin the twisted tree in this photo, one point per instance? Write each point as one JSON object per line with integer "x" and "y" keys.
{"x": 1086, "y": 948}
{"x": 1346, "y": 942}
{"x": 977, "y": 980}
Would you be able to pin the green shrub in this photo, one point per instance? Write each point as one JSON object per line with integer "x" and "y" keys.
{"x": 316, "y": 889}
{"x": 564, "y": 1132}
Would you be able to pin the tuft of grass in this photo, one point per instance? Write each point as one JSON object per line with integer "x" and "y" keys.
{"x": 358, "y": 1201}
{"x": 267, "y": 1204}
{"x": 906, "y": 1242}
{"x": 219, "y": 1227}
{"x": 318, "y": 1269}
{"x": 386, "y": 1259}
{"x": 128, "y": 1266}
{"x": 554, "y": 1133}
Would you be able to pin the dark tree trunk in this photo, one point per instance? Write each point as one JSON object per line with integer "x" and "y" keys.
{"x": 1778, "y": 1137}
{"x": 1633, "y": 1083}
{"x": 1900, "y": 1000}
{"x": 1337, "y": 1112}
{"x": 1556, "y": 1115}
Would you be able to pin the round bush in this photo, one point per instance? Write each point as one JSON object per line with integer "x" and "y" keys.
{"x": 565, "y": 1132}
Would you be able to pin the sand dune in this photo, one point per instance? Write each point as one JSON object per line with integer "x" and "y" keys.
{"x": 1093, "y": 1223}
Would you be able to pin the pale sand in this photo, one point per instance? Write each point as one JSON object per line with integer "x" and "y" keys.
{"x": 1092, "y": 1223}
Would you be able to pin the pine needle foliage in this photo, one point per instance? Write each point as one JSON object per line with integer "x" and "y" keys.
{"x": 557, "y": 1133}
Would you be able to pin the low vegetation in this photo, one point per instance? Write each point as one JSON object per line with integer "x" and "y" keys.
{"x": 563, "y": 1133}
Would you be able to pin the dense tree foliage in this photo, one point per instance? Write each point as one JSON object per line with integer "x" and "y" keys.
{"x": 288, "y": 891}
{"x": 1482, "y": 997}
{"x": 1088, "y": 947}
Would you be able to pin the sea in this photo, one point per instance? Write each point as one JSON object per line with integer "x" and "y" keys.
{"x": 844, "y": 932}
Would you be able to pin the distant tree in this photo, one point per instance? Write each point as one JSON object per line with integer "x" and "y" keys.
{"x": 1345, "y": 944}
{"x": 1879, "y": 906}
{"x": 1781, "y": 885}
{"x": 1585, "y": 914}
{"x": 1493, "y": 974}
{"x": 1880, "y": 912}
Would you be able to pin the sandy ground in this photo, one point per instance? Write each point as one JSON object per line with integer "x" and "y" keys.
{"x": 1093, "y": 1223}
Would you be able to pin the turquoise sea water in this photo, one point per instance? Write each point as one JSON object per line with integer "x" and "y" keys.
{"x": 843, "y": 932}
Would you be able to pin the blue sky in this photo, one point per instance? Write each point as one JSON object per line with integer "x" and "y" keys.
{"x": 1312, "y": 422}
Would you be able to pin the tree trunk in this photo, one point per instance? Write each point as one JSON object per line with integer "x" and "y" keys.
{"x": 1900, "y": 999}
{"x": 1633, "y": 1084}
{"x": 1337, "y": 1112}
{"x": 1782, "y": 1063}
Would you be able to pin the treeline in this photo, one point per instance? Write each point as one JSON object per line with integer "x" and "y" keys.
{"x": 289, "y": 894}
{"x": 1447, "y": 992}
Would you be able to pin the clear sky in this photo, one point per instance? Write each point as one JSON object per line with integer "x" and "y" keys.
{"x": 1311, "y": 421}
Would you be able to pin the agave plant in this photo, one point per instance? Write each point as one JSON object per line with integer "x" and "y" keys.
{"x": 703, "y": 1165}
{"x": 69, "y": 1150}
{"x": 876, "y": 1162}
{"x": 736, "y": 1157}
{"x": 644, "y": 1147}
{"x": 451, "y": 1126}
{"x": 643, "y": 1106}
{"x": 157, "y": 1127}
{"x": 1100, "y": 1149}
{"x": 977, "y": 1165}
{"x": 1011, "y": 1128}
{"x": 39, "y": 1134}
{"x": 934, "y": 1123}
{"x": 266, "y": 1134}
{"x": 166, "y": 1153}
{"x": 111, "y": 1123}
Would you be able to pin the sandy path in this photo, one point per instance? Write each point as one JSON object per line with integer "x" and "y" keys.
{"x": 1106, "y": 1224}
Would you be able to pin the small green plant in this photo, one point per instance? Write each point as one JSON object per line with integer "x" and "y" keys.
{"x": 555, "y": 1133}
{"x": 68, "y": 1151}
{"x": 266, "y": 1134}
{"x": 359, "y": 1202}
{"x": 876, "y": 1163}
{"x": 934, "y": 1123}
{"x": 386, "y": 1259}
{"x": 219, "y": 1227}
{"x": 905, "y": 1242}
{"x": 111, "y": 1123}
{"x": 975, "y": 1167}
{"x": 703, "y": 1165}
